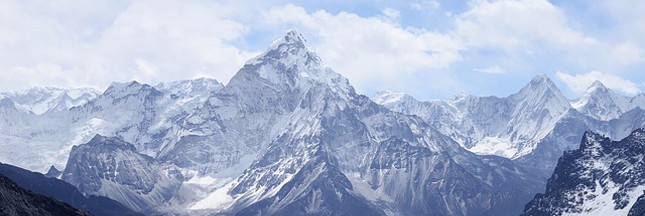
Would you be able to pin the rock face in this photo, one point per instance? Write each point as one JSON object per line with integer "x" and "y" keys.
{"x": 318, "y": 188}
{"x": 111, "y": 167}
{"x": 602, "y": 177}
{"x": 15, "y": 200}
{"x": 63, "y": 191}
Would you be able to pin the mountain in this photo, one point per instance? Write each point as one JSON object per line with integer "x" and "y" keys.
{"x": 112, "y": 168}
{"x": 334, "y": 152}
{"x": 567, "y": 133}
{"x": 63, "y": 191}
{"x": 533, "y": 127}
{"x": 509, "y": 127}
{"x": 139, "y": 113}
{"x": 15, "y": 200}
{"x": 40, "y": 100}
{"x": 601, "y": 103}
{"x": 53, "y": 172}
{"x": 47, "y": 139}
{"x": 602, "y": 177}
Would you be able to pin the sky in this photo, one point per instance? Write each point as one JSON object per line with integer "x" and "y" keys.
{"x": 430, "y": 49}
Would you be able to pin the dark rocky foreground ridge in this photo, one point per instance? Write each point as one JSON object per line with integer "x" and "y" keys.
{"x": 15, "y": 200}
{"x": 601, "y": 177}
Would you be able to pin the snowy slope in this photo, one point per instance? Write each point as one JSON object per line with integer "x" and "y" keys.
{"x": 602, "y": 177}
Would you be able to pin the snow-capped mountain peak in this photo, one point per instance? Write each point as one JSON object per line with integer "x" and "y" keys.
{"x": 540, "y": 93}
{"x": 541, "y": 79}
{"x": 541, "y": 86}
{"x": 597, "y": 84}
{"x": 291, "y": 37}
{"x": 288, "y": 66}
{"x": 602, "y": 103}
{"x": 291, "y": 50}
{"x": 597, "y": 89}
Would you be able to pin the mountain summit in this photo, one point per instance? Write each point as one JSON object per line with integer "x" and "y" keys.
{"x": 291, "y": 51}
{"x": 602, "y": 103}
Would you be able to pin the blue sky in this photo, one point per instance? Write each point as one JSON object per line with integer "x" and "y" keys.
{"x": 428, "y": 48}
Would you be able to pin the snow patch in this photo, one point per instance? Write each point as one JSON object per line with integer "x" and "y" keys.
{"x": 218, "y": 199}
{"x": 603, "y": 203}
{"x": 494, "y": 146}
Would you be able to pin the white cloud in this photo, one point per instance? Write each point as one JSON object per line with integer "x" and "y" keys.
{"x": 391, "y": 14}
{"x": 515, "y": 25}
{"x": 578, "y": 83}
{"x": 491, "y": 70}
{"x": 146, "y": 69}
{"x": 627, "y": 53}
{"x": 76, "y": 43}
{"x": 81, "y": 43}
{"x": 529, "y": 34}
{"x": 428, "y": 6}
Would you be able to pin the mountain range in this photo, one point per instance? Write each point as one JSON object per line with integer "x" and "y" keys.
{"x": 289, "y": 136}
{"x": 533, "y": 126}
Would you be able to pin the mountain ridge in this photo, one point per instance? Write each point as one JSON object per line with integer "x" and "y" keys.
{"x": 511, "y": 139}
{"x": 601, "y": 177}
{"x": 15, "y": 200}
